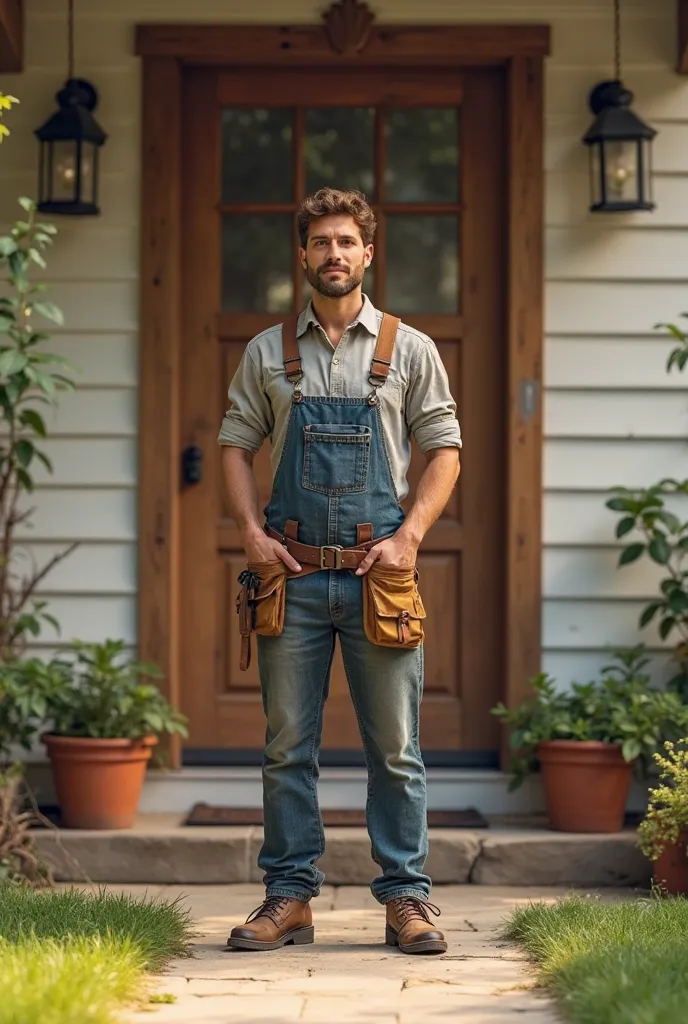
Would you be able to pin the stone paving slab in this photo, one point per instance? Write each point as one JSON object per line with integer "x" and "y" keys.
{"x": 349, "y": 974}
{"x": 159, "y": 851}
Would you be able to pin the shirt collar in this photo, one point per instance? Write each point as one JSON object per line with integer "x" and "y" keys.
{"x": 366, "y": 318}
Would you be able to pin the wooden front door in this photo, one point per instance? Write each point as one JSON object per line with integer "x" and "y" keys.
{"x": 428, "y": 147}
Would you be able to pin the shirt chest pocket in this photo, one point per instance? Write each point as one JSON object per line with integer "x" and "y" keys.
{"x": 336, "y": 457}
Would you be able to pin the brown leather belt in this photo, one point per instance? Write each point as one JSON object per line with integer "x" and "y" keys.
{"x": 327, "y": 556}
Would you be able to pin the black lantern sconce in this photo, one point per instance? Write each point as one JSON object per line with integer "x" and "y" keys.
{"x": 620, "y": 145}
{"x": 70, "y": 141}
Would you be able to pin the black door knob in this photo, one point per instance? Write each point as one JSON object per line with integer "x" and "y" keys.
{"x": 192, "y": 464}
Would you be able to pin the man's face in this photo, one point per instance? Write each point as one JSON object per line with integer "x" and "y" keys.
{"x": 335, "y": 257}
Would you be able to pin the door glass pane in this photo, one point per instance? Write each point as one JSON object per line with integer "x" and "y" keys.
{"x": 257, "y": 253}
{"x": 256, "y": 155}
{"x": 422, "y": 155}
{"x": 338, "y": 148}
{"x": 423, "y": 264}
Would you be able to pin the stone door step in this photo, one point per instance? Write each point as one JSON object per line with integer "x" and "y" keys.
{"x": 159, "y": 851}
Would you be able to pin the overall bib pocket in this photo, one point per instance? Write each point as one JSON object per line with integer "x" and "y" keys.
{"x": 336, "y": 457}
{"x": 393, "y": 611}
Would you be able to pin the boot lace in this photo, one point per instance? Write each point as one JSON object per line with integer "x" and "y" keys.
{"x": 409, "y": 908}
{"x": 271, "y": 907}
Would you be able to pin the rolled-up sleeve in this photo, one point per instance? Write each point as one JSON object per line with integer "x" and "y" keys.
{"x": 430, "y": 408}
{"x": 249, "y": 419}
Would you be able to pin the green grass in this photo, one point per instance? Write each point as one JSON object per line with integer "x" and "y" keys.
{"x": 73, "y": 957}
{"x": 610, "y": 963}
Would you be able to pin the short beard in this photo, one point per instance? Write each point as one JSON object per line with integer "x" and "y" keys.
{"x": 335, "y": 289}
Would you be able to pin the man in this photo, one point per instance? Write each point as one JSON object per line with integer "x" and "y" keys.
{"x": 340, "y": 394}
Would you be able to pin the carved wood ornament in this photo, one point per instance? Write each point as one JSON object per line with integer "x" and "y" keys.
{"x": 347, "y": 25}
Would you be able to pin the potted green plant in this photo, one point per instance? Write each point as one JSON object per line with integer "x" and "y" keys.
{"x": 664, "y": 830}
{"x": 587, "y": 739}
{"x": 106, "y": 718}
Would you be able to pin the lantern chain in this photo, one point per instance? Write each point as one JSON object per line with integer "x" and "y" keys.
{"x": 70, "y": 37}
{"x": 617, "y": 40}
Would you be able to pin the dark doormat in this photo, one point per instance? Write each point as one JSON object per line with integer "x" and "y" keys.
{"x": 212, "y": 814}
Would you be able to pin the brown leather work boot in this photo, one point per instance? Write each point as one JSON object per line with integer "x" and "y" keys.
{"x": 409, "y": 927}
{"x": 278, "y": 921}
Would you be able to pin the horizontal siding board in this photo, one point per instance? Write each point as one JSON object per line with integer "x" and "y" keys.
{"x": 593, "y": 251}
{"x": 107, "y": 514}
{"x": 92, "y": 618}
{"x": 613, "y": 363}
{"x": 97, "y": 306}
{"x": 567, "y": 201}
{"x": 89, "y": 569}
{"x": 567, "y": 667}
{"x": 612, "y": 414}
{"x": 581, "y": 519}
{"x": 119, "y": 155}
{"x": 590, "y": 464}
{"x": 94, "y": 411}
{"x": 591, "y": 624}
{"x": 100, "y": 462}
{"x": 595, "y": 574}
{"x": 612, "y": 307}
{"x": 109, "y": 360}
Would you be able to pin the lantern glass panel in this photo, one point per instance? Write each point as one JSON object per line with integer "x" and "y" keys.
{"x": 89, "y": 156}
{"x": 63, "y": 176}
{"x": 621, "y": 171}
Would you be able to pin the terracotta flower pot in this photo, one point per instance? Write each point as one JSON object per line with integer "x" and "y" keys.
{"x": 586, "y": 785}
{"x": 671, "y": 869}
{"x": 98, "y": 782}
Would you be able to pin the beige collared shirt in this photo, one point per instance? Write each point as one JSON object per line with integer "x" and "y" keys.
{"x": 414, "y": 402}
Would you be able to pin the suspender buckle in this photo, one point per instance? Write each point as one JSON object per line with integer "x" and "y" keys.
{"x": 337, "y": 551}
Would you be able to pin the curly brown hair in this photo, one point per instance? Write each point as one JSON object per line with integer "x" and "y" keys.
{"x": 328, "y": 201}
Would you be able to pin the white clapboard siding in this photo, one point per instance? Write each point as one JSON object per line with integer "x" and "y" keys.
{"x": 636, "y": 254}
{"x": 108, "y": 360}
{"x": 614, "y": 364}
{"x": 567, "y": 667}
{"x": 576, "y": 572}
{"x": 100, "y": 462}
{"x": 642, "y": 414}
{"x": 586, "y": 464}
{"x": 88, "y": 569}
{"x": 80, "y": 513}
{"x": 612, "y": 307}
{"x": 581, "y": 518}
{"x": 595, "y": 624}
{"x": 612, "y": 414}
{"x": 567, "y": 201}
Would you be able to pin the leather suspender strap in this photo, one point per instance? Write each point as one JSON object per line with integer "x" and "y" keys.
{"x": 290, "y": 350}
{"x": 382, "y": 359}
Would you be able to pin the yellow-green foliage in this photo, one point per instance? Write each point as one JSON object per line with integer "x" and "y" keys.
{"x": 667, "y": 812}
{"x": 5, "y": 104}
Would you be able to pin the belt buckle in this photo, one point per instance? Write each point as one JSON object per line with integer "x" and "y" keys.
{"x": 337, "y": 549}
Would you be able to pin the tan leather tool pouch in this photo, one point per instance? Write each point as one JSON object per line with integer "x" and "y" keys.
{"x": 260, "y": 603}
{"x": 393, "y": 611}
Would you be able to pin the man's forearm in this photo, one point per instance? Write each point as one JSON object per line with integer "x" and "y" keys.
{"x": 433, "y": 493}
{"x": 241, "y": 489}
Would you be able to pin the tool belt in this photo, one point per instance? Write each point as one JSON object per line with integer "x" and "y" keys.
{"x": 393, "y": 611}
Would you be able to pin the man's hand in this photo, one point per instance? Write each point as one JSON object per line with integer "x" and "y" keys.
{"x": 398, "y": 552}
{"x": 261, "y": 548}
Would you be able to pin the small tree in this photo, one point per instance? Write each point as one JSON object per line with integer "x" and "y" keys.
{"x": 29, "y": 378}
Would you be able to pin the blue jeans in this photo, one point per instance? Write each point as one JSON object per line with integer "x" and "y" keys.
{"x": 386, "y": 688}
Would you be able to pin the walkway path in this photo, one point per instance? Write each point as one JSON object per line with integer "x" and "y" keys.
{"x": 349, "y": 974}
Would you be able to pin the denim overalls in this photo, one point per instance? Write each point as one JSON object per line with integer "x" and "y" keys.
{"x": 333, "y": 476}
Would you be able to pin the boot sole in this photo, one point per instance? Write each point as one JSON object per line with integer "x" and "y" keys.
{"x": 296, "y": 937}
{"x": 429, "y": 946}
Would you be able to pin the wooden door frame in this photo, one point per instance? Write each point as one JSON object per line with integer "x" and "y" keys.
{"x": 166, "y": 50}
